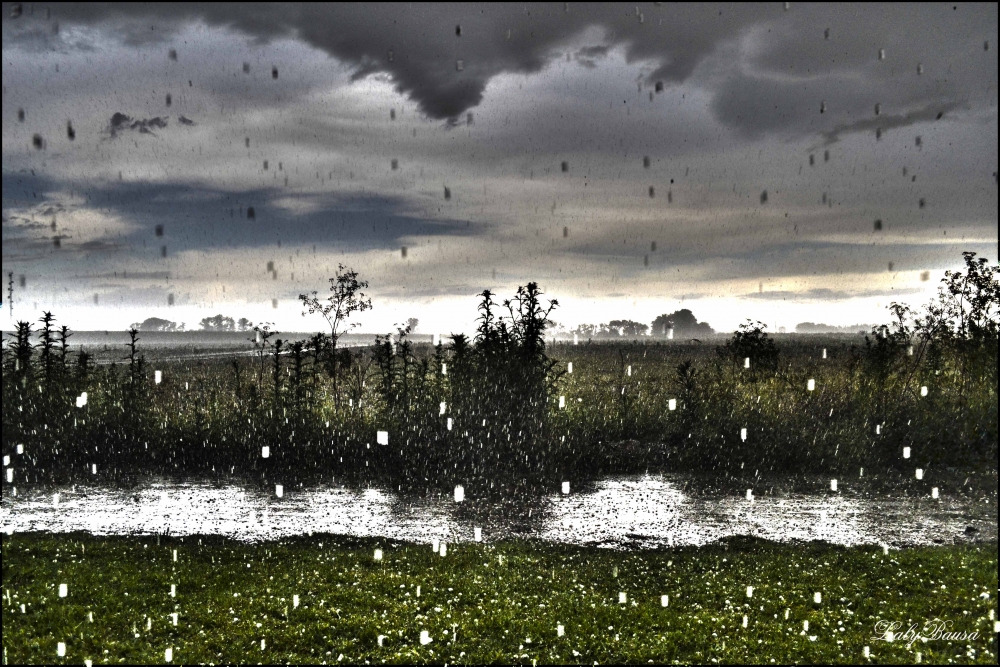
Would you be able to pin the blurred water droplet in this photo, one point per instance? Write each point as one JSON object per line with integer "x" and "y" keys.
{"x": 878, "y": 225}
{"x": 172, "y": 54}
{"x": 70, "y": 132}
{"x": 37, "y": 141}
{"x": 763, "y": 197}
{"x": 274, "y": 72}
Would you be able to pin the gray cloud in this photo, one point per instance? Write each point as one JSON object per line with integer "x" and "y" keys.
{"x": 823, "y": 294}
{"x": 416, "y": 45}
{"x": 120, "y": 123}
{"x": 747, "y": 91}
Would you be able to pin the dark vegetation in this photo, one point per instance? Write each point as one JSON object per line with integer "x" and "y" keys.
{"x": 318, "y": 406}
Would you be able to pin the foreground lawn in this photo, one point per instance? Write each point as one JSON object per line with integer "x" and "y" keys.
{"x": 484, "y": 603}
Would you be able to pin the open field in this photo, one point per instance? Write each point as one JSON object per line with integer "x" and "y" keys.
{"x": 486, "y": 603}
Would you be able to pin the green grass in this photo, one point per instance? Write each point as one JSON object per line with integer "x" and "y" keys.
{"x": 505, "y": 600}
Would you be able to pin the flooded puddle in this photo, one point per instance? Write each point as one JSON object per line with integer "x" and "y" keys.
{"x": 646, "y": 511}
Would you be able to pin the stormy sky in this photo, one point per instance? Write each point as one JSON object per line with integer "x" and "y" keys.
{"x": 785, "y": 162}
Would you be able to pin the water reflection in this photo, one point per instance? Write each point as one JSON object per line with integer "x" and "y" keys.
{"x": 633, "y": 512}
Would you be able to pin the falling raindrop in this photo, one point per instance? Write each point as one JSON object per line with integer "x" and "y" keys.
{"x": 274, "y": 72}
{"x": 70, "y": 132}
{"x": 763, "y": 197}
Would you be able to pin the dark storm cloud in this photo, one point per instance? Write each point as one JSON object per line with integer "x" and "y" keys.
{"x": 885, "y": 123}
{"x": 732, "y": 259}
{"x": 823, "y": 294}
{"x": 120, "y": 123}
{"x": 589, "y": 55}
{"x": 201, "y": 218}
{"x": 794, "y": 67}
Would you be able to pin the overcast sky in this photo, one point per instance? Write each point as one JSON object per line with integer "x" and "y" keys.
{"x": 618, "y": 155}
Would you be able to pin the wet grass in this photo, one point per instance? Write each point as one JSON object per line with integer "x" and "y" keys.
{"x": 485, "y": 603}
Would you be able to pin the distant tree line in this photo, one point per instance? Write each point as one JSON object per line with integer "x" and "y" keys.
{"x": 680, "y": 324}
{"x": 214, "y": 323}
{"x": 811, "y": 327}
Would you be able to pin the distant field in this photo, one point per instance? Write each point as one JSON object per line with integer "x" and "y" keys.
{"x": 235, "y": 603}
